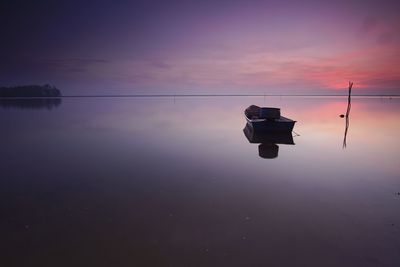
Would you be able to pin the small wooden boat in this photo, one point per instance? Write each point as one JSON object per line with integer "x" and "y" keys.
{"x": 263, "y": 119}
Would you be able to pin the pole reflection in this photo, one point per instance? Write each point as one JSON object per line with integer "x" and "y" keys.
{"x": 347, "y": 116}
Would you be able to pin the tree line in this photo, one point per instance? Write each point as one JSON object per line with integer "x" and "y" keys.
{"x": 30, "y": 91}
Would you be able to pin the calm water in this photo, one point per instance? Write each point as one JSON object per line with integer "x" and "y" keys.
{"x": 175, "y": 182}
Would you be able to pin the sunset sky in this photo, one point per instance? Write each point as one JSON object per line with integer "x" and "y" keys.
{"x": 175, "y": 47}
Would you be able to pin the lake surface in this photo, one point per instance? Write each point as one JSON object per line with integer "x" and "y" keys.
{"x": 175, "y": 182}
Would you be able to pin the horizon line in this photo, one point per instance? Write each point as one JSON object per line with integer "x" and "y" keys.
{"x": 212, "y": 95}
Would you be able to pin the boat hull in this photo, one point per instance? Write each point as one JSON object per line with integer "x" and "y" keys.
{"x": 257, "y": 137}
{"x": 282, "y": 125}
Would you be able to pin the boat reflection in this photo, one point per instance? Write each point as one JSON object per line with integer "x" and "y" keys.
{"x": 30, "y": 103}
{"x": 268, "y": 148}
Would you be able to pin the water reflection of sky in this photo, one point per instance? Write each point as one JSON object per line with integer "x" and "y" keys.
{"x": 156, "y": 180}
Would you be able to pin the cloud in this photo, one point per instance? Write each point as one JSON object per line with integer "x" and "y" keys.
{"x": 382, "y": 31}
{"x": 386, "y": 38}
{"x": 369, "y": 24}
{"x": 73, "y": 64}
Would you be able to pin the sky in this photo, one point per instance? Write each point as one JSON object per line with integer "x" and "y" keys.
{"x": 202, "y": 47}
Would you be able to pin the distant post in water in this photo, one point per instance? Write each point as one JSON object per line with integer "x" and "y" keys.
{"x": 349, "y": 99}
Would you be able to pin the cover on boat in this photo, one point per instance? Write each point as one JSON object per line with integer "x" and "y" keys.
{"x": 270, "y": 113}
{"x": 254, "y": 112}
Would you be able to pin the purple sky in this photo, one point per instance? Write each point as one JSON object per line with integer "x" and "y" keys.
{"x": 174, "y": 47}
